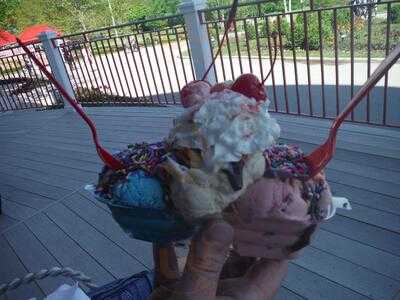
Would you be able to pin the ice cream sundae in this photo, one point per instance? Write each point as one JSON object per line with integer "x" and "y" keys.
{"x": 221, "y": 158}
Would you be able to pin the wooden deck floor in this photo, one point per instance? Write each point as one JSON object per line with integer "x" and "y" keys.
{"x": 48, "y": 220}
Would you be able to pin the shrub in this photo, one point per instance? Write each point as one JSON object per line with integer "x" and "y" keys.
{"x": 343, "y": 19}
{"x": 272, "y": 7}
{"x": 394, "y": 14}
{"x": 251, "y": 33}
{"x": 378, "y": 36}
{"x": 87, "y": 95}
{"x": 299, "y": 38}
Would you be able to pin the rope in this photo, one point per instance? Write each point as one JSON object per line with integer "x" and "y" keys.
{"x": 53, "y": 272}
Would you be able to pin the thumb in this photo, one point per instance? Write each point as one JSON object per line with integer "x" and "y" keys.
{"x": 207, "y": 255}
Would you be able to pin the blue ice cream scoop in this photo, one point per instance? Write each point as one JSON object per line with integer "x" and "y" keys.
{"x": 138, "y": 199}
{"x": 140, "y": 189}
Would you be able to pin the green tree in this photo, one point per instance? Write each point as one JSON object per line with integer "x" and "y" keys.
{"x": 140, "y": 10}
{"x": 81, "y": 9}
{"x": 7, "y": 14}
{"x": 165, "y": 7}
{"x": 215, "y": 3}
{"x": 329, "y": 3}
{"x": 272, "y": 7}
{"x": 66, "y": 15}
{"x": 121, "y": 10}
{"x": 394, "y": 14}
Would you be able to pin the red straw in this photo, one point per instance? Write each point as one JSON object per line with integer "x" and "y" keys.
{"x": 274, "y": 36}
{"x": 109, "y": 160}
{"x": 229, "y": 23}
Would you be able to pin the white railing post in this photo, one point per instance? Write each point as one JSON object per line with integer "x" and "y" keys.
{"x": 56, "y": 64}
{"x": 198, "y": 37}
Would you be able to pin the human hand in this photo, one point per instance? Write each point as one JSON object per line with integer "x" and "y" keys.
{"x": 201, "y": 277}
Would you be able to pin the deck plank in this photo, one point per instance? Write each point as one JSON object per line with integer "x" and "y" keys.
{"x": 6, "y": 189}
{"x": 107, "y": 253}
{"x": 367, "y": 159}
{"x": 28, "y": 165}
{"x": 40, "y": 149}
{"x": 16, "y": 210}
{"x": 11, "y": 268}
{"x": 364, "y": 233}
{"x": 362, "y": 139}
{"x": 47, "y": 178}
{"x": 34, "y": 256}
{"x": 49, "y": 156}
{"x": 56, "y": 242}
{"x": 374, "y": 217}
{"x": 357, "y": 169}
{"x": 386, "y": 188}
{"x": 104, "y": 222}
{"x": 37, "y": 187}
{"x": 28, "y": 199}
{"x": 367, "y": 198}
{"x": 347, "y": 274}
{"x": 352, "y": 146}
{"x": 314, "y": 287}
{"x": 346, "y": 126}
{"x": 6, "y": 222}
{"x": 55, "y": 160}
{"x": 366, "y": 256}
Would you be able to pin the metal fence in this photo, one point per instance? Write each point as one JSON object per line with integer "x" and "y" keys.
{"x": 141, "y": 63}
{"x": 22, "y": 84}
{"x": 324, "y": 55}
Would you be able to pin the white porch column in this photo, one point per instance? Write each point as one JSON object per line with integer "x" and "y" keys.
{"x": 198, "y": 38}
{"x": 56, "y": 64}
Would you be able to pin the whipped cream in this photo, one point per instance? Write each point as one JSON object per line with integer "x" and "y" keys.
{"x": 225, "y": 127}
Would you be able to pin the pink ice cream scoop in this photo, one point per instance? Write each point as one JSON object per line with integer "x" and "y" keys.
{"x": 194, "y": 93}
{"x": 275, "y": 213}
{"x": 273, "y": 198}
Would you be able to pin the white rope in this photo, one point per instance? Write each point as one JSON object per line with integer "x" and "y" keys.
{"x": 53, "y": 272}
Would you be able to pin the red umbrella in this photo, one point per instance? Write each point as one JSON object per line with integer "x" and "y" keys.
{"x": 31, "y": 34}
{"x": 6, "y": 38}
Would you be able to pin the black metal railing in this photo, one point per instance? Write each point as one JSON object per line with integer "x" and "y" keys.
{"x": 22, "y": 84}
{"x": 324, "y": 55}
{"x": 140, "y": 63}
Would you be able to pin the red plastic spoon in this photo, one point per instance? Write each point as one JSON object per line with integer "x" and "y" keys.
{"x": 321, "y": 156}
{"x": 105, "y": 156}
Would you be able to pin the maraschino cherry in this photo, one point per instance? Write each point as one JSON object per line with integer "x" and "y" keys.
{"x": 194, "y": 92}
{"x": 250, "y": 86}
